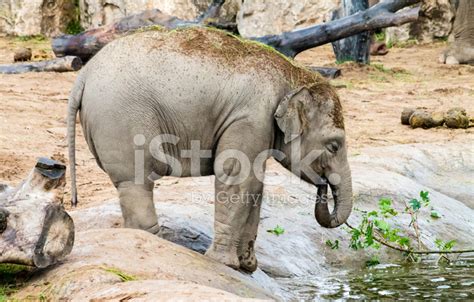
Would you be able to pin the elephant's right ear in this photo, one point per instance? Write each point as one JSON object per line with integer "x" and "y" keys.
{"x": 291, "y": 113}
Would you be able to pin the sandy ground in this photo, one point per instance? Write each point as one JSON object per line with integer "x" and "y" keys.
{"x": 33, "y": 108}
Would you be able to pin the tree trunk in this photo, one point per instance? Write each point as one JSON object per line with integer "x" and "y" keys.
{"x": 88, "y": 43}
{"x": 355, "y": 48}
{"x": 68, "y": 63}
{"x": 34, "y": 228}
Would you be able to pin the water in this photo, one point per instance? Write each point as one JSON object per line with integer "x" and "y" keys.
{"x": 410, "y": 282}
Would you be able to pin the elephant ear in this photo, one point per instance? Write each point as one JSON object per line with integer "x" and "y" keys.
{"x": 291, "y": 113}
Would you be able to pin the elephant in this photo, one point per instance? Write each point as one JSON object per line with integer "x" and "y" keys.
{"x": 462, "y": 49}
{"x": 204, "y": 89}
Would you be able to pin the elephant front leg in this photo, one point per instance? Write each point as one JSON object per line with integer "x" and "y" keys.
{"x": 247, "y": 257}
{"x": 234, "y": 210}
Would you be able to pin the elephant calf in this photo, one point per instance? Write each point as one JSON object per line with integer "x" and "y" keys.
{"x": 197, "y": 101}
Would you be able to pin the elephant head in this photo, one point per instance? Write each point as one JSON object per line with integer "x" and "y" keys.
{"x": 311, "y": 135}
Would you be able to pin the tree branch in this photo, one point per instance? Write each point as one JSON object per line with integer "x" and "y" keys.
{"x": 385, "y": 243}
{"x": 378, "y": 16}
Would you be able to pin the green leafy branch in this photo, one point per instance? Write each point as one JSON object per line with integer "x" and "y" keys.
{"x": 374, "y": 231}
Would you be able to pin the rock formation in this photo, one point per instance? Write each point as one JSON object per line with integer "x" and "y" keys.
{"x": 260, "y": 17}
{"x": 106, "y": 260}
{"x": 35, "y": 17}
{"x": 95, "y": 13}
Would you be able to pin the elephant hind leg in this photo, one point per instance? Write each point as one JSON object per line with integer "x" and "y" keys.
{"x": 138, "y": 209}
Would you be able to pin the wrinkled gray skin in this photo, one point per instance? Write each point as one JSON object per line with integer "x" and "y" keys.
{"x": 462, "y": 49}
{"x": 134, "y": 86}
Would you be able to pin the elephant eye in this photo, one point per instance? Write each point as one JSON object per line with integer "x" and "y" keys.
{"x": 333, "y": 147}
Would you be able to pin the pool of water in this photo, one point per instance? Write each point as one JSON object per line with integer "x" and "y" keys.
{"x": 423, "y": 281}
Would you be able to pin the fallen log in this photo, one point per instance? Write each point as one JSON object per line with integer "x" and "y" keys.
{"x": 68, "y": 63}
{"x": 34, "y": 228}
{"x": 380, "y": 15}
{"x": 88, "y": 43}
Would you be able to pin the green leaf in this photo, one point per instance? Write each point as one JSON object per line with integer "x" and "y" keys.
{"x": 355, "y": 243}
{"x": 404, "y": 241}
{"x": 385, "y": 202}
{"x": 369, "y": 235}
{"x": 372, "y": 261}
{"x": 439, "y": 243}
{"x": 435, "y": 214}
{"x": 415, "y": 204}
{"x": 445, "y": 246}
{"x": 385, "y": 206}
{"x": 382, "y": 225}
{"x": 424, "y": 197}
{"x": 278, "y": 230}
{"x": 373, "y": 214}
{"x": 333, "y": 245}
{"x": 393, "y": 235}
{"x": 449, "y": 245}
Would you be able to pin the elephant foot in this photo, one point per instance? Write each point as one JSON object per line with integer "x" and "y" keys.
{"x": 154, "y": 229}
{"x": 458, "y": 53}
{"x": 227, "y": 257}
{"x": 448, "y": 59}
{"x": 248, "y": 260}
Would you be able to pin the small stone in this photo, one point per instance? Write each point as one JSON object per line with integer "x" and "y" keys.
{"x": 456, "y": 118}
{"x": 406, "y": 114}
{"x": 420, "y": 119}
{"x": 22, "y": 54}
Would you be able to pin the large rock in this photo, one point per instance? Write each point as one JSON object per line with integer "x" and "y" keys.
{"x": 104, "y": 256}
{"x": 260, "y": 17}
{"x": 34, "y": 17}
{"x": 121, "y": 263}
{"x": 158, "y": 290}
{"x": 435, "y": 22}
{"x": 95, "y": 13}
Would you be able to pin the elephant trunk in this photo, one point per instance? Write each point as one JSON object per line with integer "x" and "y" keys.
{"x": 342, "y": 194}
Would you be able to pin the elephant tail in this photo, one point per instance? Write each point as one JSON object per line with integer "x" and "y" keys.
{"x": 74, "y": 104}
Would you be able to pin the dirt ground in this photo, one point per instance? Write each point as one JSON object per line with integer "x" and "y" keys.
{"x": 33, "y": 108}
